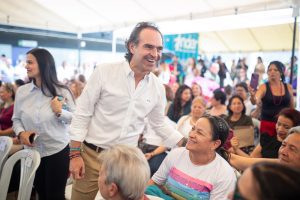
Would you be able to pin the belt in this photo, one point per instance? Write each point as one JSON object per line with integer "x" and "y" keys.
{"x": 93, "y": 147}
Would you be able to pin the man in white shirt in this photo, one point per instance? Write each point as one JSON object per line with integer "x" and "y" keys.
{"x": 112, "y": 108}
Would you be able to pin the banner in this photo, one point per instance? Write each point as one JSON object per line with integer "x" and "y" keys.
{"x": 182, "y": 45}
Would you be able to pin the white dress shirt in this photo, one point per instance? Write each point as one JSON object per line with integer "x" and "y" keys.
{"x": 111, "y": 110}
{"x": 33, "y": 112}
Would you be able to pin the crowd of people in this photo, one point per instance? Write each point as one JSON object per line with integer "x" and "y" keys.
{"x": 176, "y": 133}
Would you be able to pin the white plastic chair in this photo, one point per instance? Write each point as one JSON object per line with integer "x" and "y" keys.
{"x": 6, "y": 144}
{"x": 30, "y": 161}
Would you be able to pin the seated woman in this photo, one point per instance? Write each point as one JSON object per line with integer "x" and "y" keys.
{"x": 237, "y": 117}
{"x": 181, "y": 104}
{"x": 218, "y": 103}
{"x": 268, "y": 181}
{"x": 186, "y": 122}
{"x": 197, "y": 171}
{"x": 269, "y": 145}
{"x": 196, "y": 89}
{"x": 7, "y": 95}
{"x": 288, "y": 154}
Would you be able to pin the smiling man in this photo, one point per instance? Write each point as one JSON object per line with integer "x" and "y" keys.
{"x": 112, "y": 108}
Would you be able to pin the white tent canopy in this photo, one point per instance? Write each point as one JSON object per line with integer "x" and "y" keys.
{"x": 99, "y": 15}
{"x": 224, "y": 25}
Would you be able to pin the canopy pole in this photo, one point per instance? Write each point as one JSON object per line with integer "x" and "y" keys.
{"x": 293, "y": 50}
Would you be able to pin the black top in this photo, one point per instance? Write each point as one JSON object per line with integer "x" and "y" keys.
{"x": 184, "y": 111}
{"x": 245, "y": 120}
{"x": 269, "y": 146}
{"x": 272, "y": 105}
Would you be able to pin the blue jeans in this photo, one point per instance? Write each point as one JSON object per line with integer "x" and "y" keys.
{"x": 155, "y": 162}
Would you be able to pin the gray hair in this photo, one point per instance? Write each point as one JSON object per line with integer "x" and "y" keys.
{"x": 128, "y": 168}
{"x": 295, "y": 129}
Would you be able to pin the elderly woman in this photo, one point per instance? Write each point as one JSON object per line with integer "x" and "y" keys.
{"x": 272, "y": 97}
{"x": 198, "y": 171}
{"x": 185, "y": 123}
{"x": 7, "y": 95}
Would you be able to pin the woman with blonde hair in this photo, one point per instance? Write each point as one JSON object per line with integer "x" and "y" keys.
{"x": 186, "y": 122}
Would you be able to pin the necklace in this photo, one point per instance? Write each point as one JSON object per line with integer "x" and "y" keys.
{"x": 192, "y": 121}
{"x": 277, "y": 99}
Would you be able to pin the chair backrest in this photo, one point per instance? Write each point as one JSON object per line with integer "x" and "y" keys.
{"x": 5, "y": 146}
{"x": 30, "y": 161}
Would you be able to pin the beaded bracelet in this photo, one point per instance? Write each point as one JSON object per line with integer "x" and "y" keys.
{"x": 75, "y": 149}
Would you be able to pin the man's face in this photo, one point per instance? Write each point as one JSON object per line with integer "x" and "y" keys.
{"x": 241, "y": 92}
{"x": 147, "y": 52}
{"x": 289, "y": 152}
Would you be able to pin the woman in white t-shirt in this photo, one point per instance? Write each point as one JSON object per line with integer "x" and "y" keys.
{"x": 198, "y": 171}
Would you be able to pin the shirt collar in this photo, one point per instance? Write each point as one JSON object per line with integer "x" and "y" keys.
{"x": 33, "y": 86}
{"x": 129, "y": 72}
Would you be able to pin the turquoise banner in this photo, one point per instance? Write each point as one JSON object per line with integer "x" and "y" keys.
{"x": 182, "y": 45}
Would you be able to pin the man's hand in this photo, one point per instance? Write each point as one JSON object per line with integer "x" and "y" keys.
{"x": 234, "y": 143}
{"x": 148, "y": 156}
{"x": 77, "y": 168}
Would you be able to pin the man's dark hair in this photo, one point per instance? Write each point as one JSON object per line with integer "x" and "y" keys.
{"x": 135, "y": 34}
{"x": 242, "y": 85}
{"x": 219, "y": 95}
